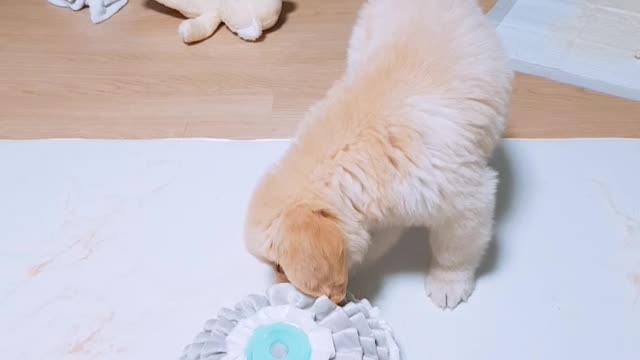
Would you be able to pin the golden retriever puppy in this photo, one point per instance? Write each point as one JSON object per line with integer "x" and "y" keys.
{"x": 401, "y": 140}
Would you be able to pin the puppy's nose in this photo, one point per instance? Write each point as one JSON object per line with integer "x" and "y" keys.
{"x": 337, "y": 298}
{"x": 336, "y": 294}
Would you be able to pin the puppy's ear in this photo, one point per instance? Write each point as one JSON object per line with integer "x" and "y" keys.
{"x": 312, "y": 253}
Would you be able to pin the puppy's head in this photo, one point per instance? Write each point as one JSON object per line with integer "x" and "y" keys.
{"x": 307, "y": 248}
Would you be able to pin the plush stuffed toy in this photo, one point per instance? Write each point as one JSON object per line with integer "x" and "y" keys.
{"x": 247, "y": 18}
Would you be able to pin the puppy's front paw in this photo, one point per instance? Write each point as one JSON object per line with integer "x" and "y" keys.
{"x": 448, "y": 288}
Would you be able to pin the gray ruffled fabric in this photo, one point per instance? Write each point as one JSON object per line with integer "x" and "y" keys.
{"x": 357, "y": 331}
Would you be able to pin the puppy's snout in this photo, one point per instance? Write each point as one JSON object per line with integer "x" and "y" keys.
{"x": 335, "y": 292}
{"x": 337, "y": 296}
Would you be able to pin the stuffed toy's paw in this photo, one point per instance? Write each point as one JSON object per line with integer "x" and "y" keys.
{"x": 247, "y": 18}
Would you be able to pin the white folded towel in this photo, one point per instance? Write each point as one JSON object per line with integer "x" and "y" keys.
{"x": 99, "y": 10}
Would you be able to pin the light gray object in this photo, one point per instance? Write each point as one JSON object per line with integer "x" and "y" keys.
{"x": 99, "y": 10}
{"x": 354, "y": 331}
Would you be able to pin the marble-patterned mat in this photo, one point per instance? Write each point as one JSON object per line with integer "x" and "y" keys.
{"x": 589, "y": 43}
{"x": 121, "y": 249}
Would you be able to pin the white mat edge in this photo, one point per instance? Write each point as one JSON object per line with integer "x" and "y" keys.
{"x": 590, "y": 84}
{"x": 497, "y": 14}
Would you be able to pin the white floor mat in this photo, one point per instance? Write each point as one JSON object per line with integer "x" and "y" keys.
{"x": 121, "y": 249}
{"x": 588, "y": 43}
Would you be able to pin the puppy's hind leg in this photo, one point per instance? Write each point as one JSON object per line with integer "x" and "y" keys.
{"x": 459, "y": 241}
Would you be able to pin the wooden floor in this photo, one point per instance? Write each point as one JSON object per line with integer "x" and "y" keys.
{"x": 131, "y": 77}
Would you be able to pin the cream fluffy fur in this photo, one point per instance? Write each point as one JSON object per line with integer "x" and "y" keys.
{"x": 402, "y": 139}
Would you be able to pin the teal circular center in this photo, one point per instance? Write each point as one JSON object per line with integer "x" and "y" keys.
{"x": 278, "y": 342}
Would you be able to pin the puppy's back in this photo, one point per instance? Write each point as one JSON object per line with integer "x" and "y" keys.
{"x": 422, "y": 76}
{"x": 451, "y": 38}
